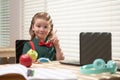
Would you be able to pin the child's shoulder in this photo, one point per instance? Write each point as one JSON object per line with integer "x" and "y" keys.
{"x": 27, "y": 43}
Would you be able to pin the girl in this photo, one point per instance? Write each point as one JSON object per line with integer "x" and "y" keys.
{"x": 45, "y": 41}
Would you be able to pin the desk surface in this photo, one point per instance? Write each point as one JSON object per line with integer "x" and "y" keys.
{"x": 76, "y": 70}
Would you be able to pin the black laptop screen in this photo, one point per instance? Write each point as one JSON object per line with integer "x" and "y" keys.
{"x": 94, "y": 45}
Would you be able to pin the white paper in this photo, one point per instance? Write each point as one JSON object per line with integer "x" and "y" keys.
{"x": 53, "y": 74}
{"x": 15, "y": 68}
{"x": 40, "y": 73}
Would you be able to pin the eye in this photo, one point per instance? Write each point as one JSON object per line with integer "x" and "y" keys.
{"x": 45, "y": 26}
{"x": 38, "y": 26}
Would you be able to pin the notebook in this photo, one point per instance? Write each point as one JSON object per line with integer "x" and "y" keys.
{"x": 92, "y": 45}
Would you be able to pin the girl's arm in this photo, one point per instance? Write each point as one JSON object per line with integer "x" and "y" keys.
{"x": 59, "y": 54}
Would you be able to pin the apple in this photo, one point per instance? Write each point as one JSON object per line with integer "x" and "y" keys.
{"x": 33, "y": 54}
{"x": 25, "y": 60}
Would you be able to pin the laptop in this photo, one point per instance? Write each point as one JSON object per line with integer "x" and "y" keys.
{"x": 92, "y": 45}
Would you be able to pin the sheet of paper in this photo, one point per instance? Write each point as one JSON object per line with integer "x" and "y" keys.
{"x": 53, "y": 74}
{"x": 15, "y": 68}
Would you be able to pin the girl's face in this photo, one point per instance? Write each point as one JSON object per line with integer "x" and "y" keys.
{"x": 41, "y": 28}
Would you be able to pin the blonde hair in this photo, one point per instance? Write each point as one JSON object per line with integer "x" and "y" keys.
{"x": 41, "y": 15}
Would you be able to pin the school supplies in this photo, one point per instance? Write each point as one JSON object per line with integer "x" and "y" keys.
{"x": 13, "y": 72}
{"x": 20, "y": 72}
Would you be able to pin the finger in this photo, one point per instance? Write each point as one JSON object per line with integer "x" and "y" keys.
{"x": 54, "y": 32}
{"x": 51, "y": 40}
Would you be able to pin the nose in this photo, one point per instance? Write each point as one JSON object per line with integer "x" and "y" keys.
{"x": 41, "y": 28}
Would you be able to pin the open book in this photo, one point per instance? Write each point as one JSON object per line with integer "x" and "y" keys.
{"x": 20, "y": 72}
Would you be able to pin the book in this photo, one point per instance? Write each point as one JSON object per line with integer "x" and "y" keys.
{"x": 20, "y": 72}
{"x": 13, "y": 72}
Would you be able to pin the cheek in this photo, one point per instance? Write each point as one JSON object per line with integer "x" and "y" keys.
{"x": 47, "y": 32}
{"x": 33, "y": 28}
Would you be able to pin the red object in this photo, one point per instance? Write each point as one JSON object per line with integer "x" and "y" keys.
{"x": 32, "y": 45}
{"x": 47, "y": 44}
{"x": 25, "y": 60}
